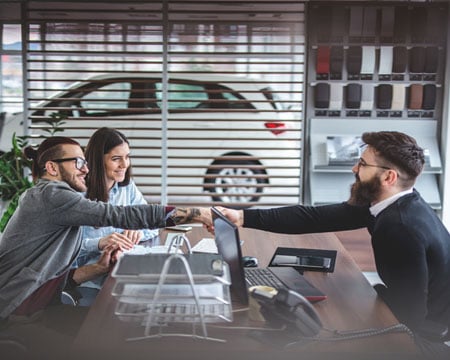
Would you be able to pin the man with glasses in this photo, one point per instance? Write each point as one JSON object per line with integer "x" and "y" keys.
{"x": 43, "y": 238}
{"x": 411, "y": 245}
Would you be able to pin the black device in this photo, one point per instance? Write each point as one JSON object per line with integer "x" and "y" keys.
{"x": 354, "y": 60}
{"x": 336, "y": 60}
{"x": 228, "y": 245}
{"x": 429, "y": 97}
{"x": 290, "y": 309}
{"x": 417, "y": 59}
{"x": 384, "y": 96}
{"x": 353, "y": 96}
{"x": 305, "y": 259}
{"x": 249, "y": 261}
{"x": 431, "y": 59}
{"x": 400, "y": 59}
{"x": 322, "y": 96}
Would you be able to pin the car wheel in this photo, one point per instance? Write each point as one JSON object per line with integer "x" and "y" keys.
{"x": 234, "y": 181}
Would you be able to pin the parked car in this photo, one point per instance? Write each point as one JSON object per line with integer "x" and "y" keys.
{"x": 227, "y": 136}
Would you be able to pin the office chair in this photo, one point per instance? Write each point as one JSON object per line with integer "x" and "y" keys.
{"x": 68, "y": 299}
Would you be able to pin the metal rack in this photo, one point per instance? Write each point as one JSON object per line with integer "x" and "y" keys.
{"x": 156, "y": 300}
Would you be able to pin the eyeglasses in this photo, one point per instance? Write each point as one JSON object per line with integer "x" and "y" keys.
{"x": 362, "y": 163}
{"x": 79, "y": 162}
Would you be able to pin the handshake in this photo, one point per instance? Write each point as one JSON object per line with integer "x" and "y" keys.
{"x": 204, "y": 216}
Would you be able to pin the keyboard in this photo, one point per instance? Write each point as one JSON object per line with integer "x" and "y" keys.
{"x": 255, "y": 277}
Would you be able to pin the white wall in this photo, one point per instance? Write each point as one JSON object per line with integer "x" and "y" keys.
{"x": 445, "y": 136}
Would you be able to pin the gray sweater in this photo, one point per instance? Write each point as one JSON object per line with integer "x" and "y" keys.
{"x": 43, "y": 239}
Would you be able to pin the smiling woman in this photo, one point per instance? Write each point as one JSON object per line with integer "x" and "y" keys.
{"x": 109, "y": 180}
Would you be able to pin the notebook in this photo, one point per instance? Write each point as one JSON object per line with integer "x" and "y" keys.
{"x": 228, "y": 245}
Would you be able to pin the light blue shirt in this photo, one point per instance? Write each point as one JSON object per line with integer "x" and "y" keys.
{"x": 90, "y": 253}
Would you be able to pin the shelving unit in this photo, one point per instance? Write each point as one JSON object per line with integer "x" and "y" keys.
{"x": 373, "y": 67}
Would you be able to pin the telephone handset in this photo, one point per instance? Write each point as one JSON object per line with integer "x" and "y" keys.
{"x": 288, "y": 308}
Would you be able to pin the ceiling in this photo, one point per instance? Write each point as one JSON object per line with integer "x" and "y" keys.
{"x": 10, "y": 10}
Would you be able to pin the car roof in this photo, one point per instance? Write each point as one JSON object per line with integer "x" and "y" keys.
{"x": 235, "y": 82}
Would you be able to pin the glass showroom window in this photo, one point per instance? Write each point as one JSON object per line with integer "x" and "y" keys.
{"x": 11, "y": 89}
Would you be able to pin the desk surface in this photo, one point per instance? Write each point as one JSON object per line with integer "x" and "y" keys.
{"x": 351, "y": 304}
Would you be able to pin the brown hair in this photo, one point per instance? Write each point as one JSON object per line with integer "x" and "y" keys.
{"x": 101, "y": 143}
{"x": 49, "y": 149}
{"x": 400, "y": 151}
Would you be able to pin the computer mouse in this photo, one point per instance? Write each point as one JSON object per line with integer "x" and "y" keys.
{"x": 249, "y": 261}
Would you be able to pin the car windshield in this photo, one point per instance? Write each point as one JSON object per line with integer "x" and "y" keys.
{"x": 273, "y": 98}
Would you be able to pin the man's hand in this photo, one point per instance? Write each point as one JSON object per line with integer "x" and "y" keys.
{"x": 108, "y": 258}
{"x": 122, "y": 240}
{"x": 235, "y": 216}
{"x": 192, "y": 215}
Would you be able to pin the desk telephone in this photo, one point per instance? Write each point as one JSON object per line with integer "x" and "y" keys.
{"x": 289, "y": 308}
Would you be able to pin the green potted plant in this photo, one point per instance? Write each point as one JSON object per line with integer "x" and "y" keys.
{"x": 14, "y": 179}
{"x": 15, "y": 169}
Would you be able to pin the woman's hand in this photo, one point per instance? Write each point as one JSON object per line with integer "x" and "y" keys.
{"x": 115, "y": 238}
{"x": 134, "y": 235}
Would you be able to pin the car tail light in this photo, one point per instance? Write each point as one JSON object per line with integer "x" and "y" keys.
{"x": 276, "y": 128}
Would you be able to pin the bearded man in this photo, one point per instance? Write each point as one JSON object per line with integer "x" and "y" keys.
{"x": 411, "y": 245}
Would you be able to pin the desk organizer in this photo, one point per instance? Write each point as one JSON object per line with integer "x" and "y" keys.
{"x": 155, "y": 290}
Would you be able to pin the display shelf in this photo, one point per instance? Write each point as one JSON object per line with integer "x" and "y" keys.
{"x": 386, "y": 71}
{"x": 373, "y": 67}
{"x": 330, "y": 188}
{"x": 424, "y": 131}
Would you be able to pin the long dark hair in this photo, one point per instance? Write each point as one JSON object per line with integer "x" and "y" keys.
{"x": 49, "y": 149}
{"x": 101, "y": 143}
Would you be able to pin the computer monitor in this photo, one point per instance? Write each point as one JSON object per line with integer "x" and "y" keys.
{"x": 229, "y": 246}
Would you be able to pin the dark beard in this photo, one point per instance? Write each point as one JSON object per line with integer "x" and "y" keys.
{"x": 65, "y": 176}
{"x": 364, "y": 193}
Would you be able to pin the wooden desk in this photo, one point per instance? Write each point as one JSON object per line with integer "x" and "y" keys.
{"x": 351, "y": 304}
